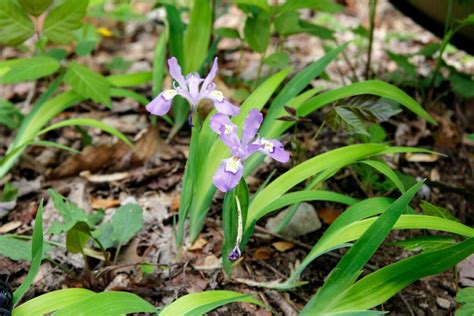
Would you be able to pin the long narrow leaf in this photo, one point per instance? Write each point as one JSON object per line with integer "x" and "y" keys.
{"x": 90, "y": 123}
{"x": 203, "y": 302}
{"x": 51, "y": 302}
{"x": 350, "y": 266}
{"x": 36, "y": 255}
{"x": 382, "y": 284}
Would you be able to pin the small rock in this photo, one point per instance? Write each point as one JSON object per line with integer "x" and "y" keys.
{"x": 443, "y": 303}
{"x": 304, "y": 221}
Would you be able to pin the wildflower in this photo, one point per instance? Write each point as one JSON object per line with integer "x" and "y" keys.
{"x": 230, "y": 170}
{"x": 193, "y": 89}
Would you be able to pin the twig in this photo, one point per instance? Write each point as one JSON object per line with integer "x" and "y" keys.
{"x": 412, "y": 313}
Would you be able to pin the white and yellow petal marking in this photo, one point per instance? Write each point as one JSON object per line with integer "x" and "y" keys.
{"x": 169, "y": 94}
{"x": 216, "y": 94}
{"x": 267, "y": 145}
{"x": 233, "y": 165}
{"x": 228, "y": 129}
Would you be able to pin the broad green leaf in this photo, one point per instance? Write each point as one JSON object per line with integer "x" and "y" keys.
{"x": 15, "y": 25}
{"x": 277, "y": 60}
{"x": 71, "y": 214}
{"x": 90, "y": 123}
{"x": 10, "y": 116}
{"x": 227, "y": 32}
{"x": 36, "y": 255}
{"x": 88, "y": 83}
{"x": 465, "y": 295}
{"x": 425, "y": 243}
{"x": 198, "y": 35}
{"x": 462, "y": 85}
{"x": 35, "y": 7}
{"x": 50, "y": 302}
{"x": 200, "y": 303}
{"x": 382, "y": 284}
{"x": 433, "y": 210}
{"x": 350, "y": 266}
{"x": 77, "y": 237}
{"x": 341, "y": 118}
{"x": 103, "y": 234}
{"x": 257, "y": 31}
{"x": 64, "y": 19}
{"x": 107, "y": 303}
{"x": 130, "y": 80}
{"x": 26, "y": 69}
{"x": 127, "y": 221}
{"x": 16, "y": 248}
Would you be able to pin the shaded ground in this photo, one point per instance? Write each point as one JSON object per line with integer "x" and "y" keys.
{"x": 151, "y": 176}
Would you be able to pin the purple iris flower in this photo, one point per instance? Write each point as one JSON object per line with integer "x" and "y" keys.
{"x": 230, "y": 170}
{"x": 193, "y": 89}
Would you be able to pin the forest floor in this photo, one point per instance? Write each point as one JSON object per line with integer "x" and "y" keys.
{"x": 106, "y": 175}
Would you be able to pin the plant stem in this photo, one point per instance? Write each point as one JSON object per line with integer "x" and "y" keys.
{"x": 372, "y": 7}
{"x": 259, "y": 70}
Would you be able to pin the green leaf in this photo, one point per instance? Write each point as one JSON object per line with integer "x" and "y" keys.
{"x": 88, "y": 83}
{"x": 77, "y": 237}
{"x": 108, "y": 303}
{"x": 227, "y": 32}
{"x": 26, "y": 69}
{"x": 198, "y": 35}
{"x": 329, "y": 160}
{"x": 297, "y": 84}
{"x": 262, "y": 4}
{"x": 350, "y": 266}
{"x": 341, "y": 118}
{"x": 425, "y": 243}
{"x": 373, "y": 87}
{"x": 35, "y": 7}
{"x": 127, "y": 221}
{"x": 70, "y": 212}
{"x": 379, "y": 286}
{"x": 203, "y": 302}
{"x": 177, "y": 27}
{"x": 465, "y": 295}
{"x": 462, "y": 85}
{"x": 124, "y": 93}
{"x": 159, "y": 62}
{"x": 10, "y": 116}
{"x": 36, "y": 255}
{"x": 383, "y": 168}
{"x": 64, "y": 19}
{"x": 320, "y": 5}
{"x": 257, "y": 31}
{"x": 16, "y": 248}
{"x": 277, "y": 60}
{"x": 104, "y": 235}
{"x": 130, "y": 80}
{"x": 433, "y": 210}
{"x": 90, "y": 123}
{"x": 15, "y": 25}
{"x": 403, "y": 62}
{"x": 50, "y": 302}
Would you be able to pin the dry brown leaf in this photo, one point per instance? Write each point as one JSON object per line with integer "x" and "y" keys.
{"x": 283, "y": 246}
{"x": 8, "y": 227}
{"x": 174, "y": 207}
{"x": 97, "y": 203}
{"x": 421, "y": 157}
{"x": 198, "y": 244}
{"x": 328, "y": 215}
{"x": 262, "y": 254}
{"x": 99, "y": 178}
{"x": 209, "y": 263}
